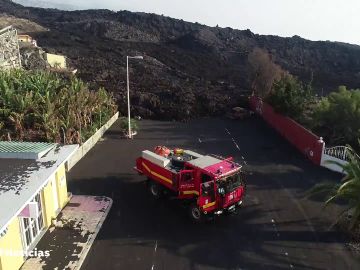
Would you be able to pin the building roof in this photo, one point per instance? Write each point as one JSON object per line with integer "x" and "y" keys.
{"x": 21, "y": 179}
{"x": 24, "y": 150}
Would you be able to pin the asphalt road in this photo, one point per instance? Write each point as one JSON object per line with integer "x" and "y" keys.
{"x": 276, "y": 229}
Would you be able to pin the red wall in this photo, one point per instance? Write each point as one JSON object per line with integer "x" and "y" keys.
{"x": 304, "y": 140}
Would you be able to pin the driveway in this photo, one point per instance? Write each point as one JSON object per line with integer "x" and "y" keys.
{"x": 276, "y": 229}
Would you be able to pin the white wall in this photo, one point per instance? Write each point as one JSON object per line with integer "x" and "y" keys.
{"x": 90, "y": 143}
{"x": 334, "y": 167}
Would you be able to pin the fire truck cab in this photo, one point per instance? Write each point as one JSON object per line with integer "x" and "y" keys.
{"x": 208, "y": 184}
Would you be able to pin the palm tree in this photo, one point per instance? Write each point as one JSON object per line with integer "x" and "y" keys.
{"x": 348, "y": 190}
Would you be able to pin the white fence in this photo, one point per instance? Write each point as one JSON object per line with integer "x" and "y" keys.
{"x": 339, "y": 154}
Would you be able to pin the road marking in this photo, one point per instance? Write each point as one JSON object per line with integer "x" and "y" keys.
{"x": 233, "y": 140}
{"x": 290, "y": 264}
{"x": 154, "y": 255}
{"x": 301, "y": 209}
{"x": 199, "y": 140}
{"x": 236, "y": 145}
{"x": 272, "y": 220}
{"x": 278, "y": 235}
{"x": 276, "y": 230}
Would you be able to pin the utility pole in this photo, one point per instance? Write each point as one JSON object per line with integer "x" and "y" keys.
{"x": 128, "y": 90}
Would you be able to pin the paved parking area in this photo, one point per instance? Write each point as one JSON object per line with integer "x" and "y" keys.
{"x": 278, "y": 228}
{"x": 69, "y": 241}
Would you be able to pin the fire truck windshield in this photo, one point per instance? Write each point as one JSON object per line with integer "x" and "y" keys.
{"x": 229, "y": 183}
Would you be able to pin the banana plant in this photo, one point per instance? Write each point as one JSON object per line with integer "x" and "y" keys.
{"x": 41, "y": 103}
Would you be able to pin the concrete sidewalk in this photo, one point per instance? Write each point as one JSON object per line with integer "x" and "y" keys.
{"x": 70, "y": 240}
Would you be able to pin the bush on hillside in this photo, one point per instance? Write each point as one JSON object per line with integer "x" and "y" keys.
{"x": 337, "y": 117}
{"x": 291, "y": 97}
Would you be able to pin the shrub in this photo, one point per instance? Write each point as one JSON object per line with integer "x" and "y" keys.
{"x": 337, "y": 117}
{"x": 124, "y": 124}
{"x": 290, "y": 97}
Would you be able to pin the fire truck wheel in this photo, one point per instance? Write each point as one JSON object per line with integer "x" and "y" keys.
{"x": 155, "y": 190}
{"x": 195, "y": 213}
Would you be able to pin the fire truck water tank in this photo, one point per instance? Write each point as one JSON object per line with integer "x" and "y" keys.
{"x": 155, "y": 158}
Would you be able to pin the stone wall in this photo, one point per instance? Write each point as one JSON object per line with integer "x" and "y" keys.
{"x": 9, "y": 49}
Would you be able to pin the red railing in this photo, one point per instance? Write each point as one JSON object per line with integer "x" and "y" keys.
{"x": 303, "y": 139}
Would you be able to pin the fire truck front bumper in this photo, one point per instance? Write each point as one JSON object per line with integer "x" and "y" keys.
{"x": 230, "y": 209}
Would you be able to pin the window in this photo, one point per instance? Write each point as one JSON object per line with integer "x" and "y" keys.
{"x": 207, "y": 189}
{"x": 27, "y": 231}
{"x": 31, "y": 227}
{"x": 40, "y": 219}
{"x": 188, "y": 177}
{"x": 205, "y": 178}
{"x": 230, "y": 183}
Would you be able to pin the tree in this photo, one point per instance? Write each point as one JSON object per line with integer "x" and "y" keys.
{"x": 337, "y": 117}
{"x": 348, "y": 190}
{"x": 290, "y": 97}
{"x": 263, "y": 72}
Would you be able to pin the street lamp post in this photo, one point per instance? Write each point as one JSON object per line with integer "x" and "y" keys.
{"x": 128, "y": 89}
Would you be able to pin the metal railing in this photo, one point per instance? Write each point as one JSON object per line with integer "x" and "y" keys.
{"x": 341, "y": 152}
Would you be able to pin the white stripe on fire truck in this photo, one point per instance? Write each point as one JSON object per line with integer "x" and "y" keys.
{"x": 156, "y": 174}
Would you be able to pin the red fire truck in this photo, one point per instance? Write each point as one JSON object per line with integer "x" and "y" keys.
{"x": 210, "y": 185}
